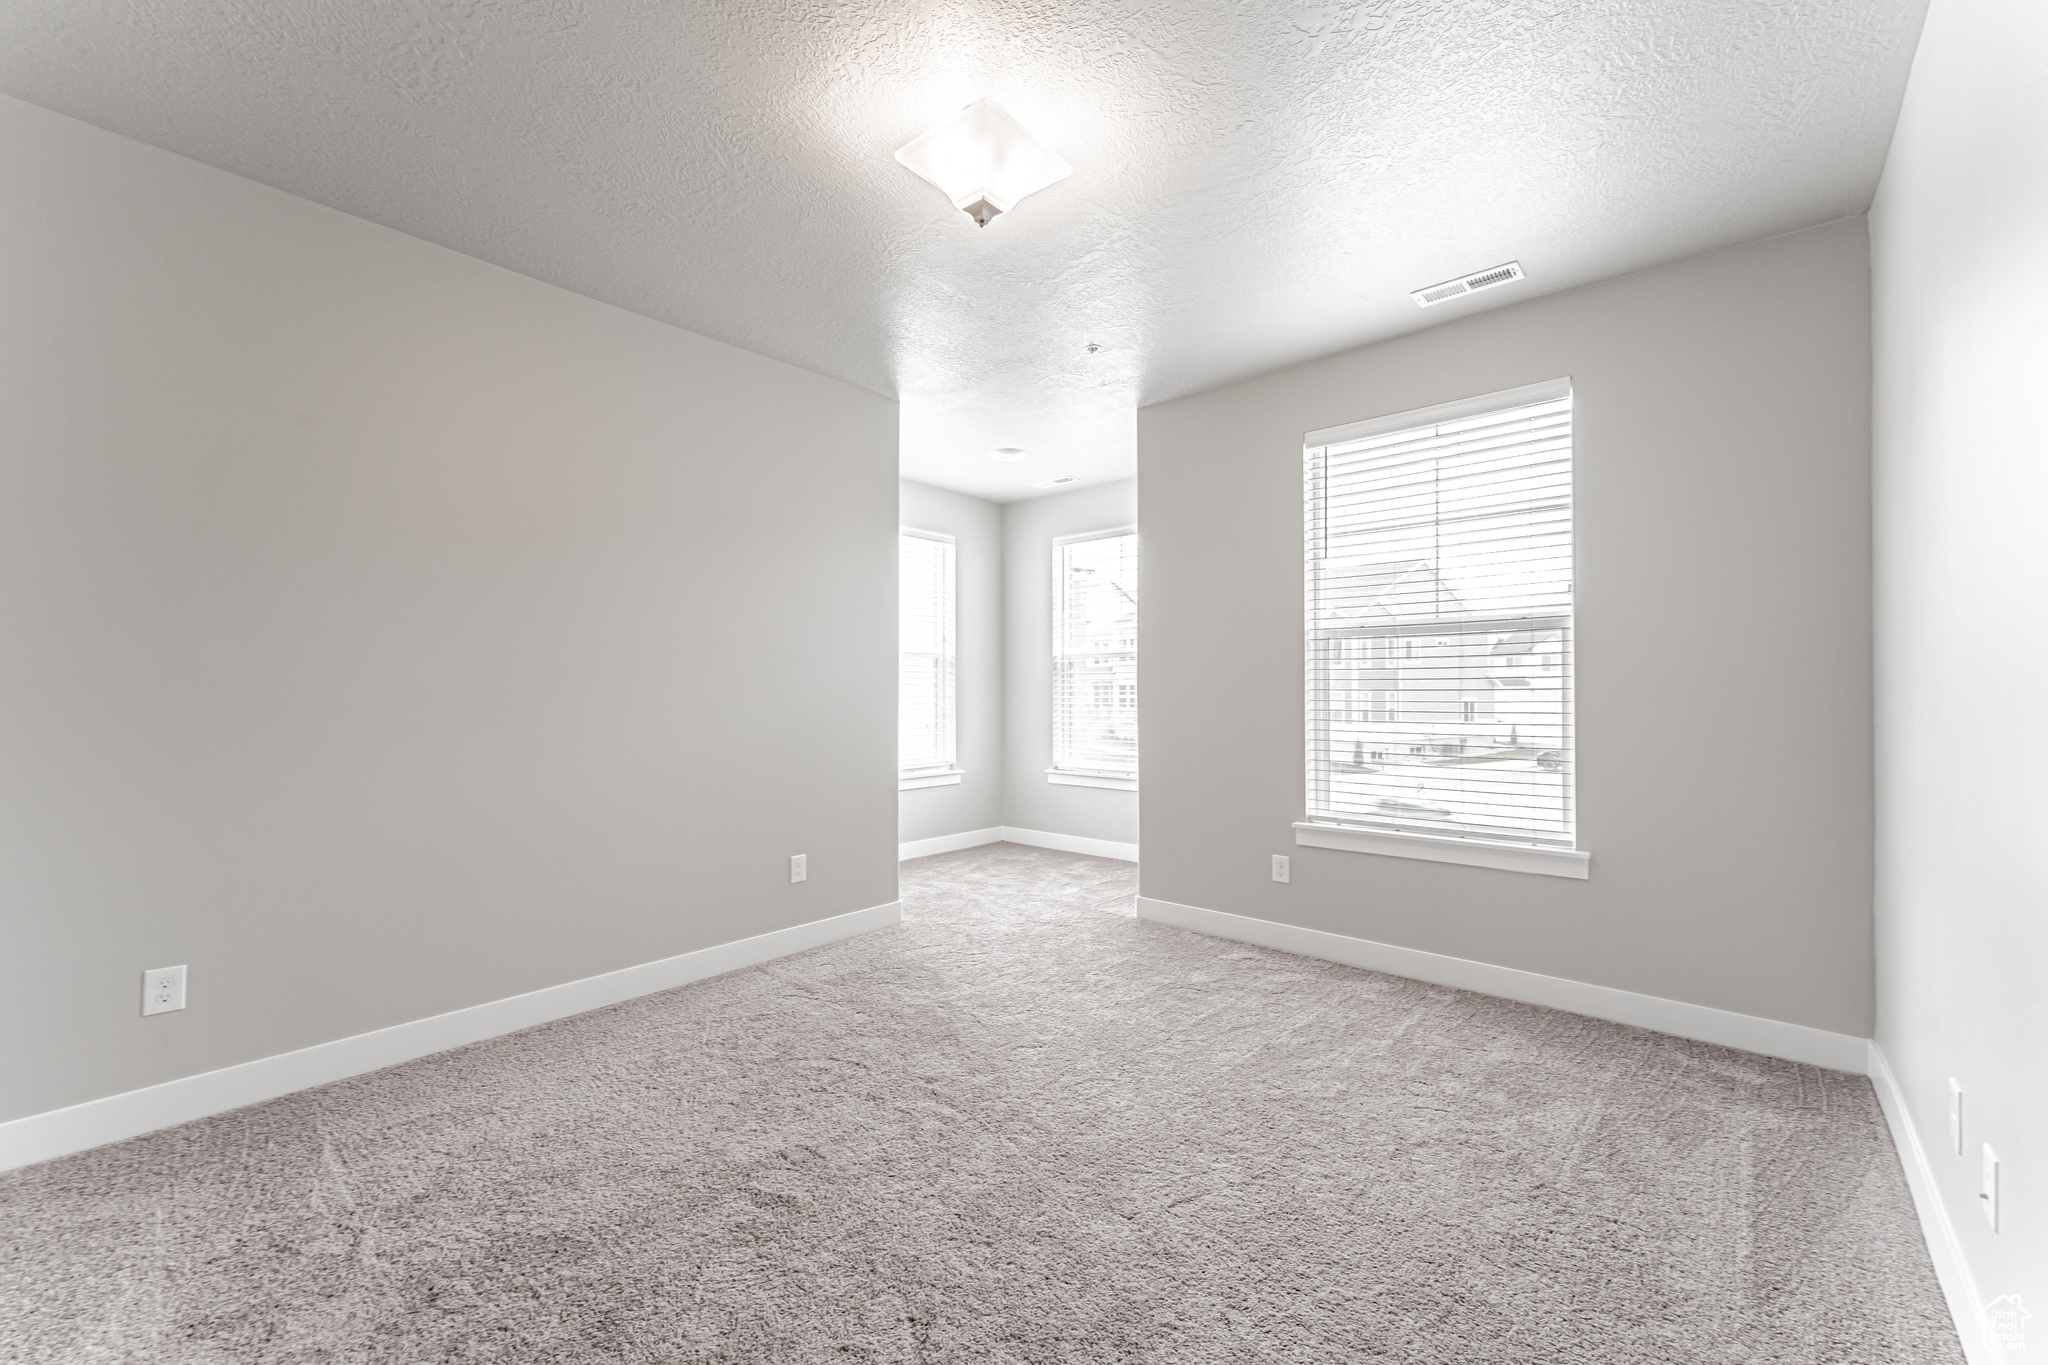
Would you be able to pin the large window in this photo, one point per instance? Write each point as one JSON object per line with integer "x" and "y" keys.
{"x": 1440, "y": 621}
{"x": 1095, "y": 660}
{"x": 925, "y": 664}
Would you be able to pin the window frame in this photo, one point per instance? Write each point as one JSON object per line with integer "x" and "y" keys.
{"x": 1069, "y": 775}
{"x": 947, "y": 772}
{"x": 1488, "y": 848}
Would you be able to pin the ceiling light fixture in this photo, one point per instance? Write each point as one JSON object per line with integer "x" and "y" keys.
{"x": 984, "y": 160}
{"x": 1061, "y": 482}
{"x": 1009, "y": 455}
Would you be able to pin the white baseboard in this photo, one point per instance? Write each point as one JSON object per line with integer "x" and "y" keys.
{"x": 39, "y": 1137}
{"x": 1958, "y": 1285}
{"x": 948, "y": 843}
{"x": 1006, "y": 834}
{"x": 1071, "y": 843}
{"x": 1772, "y": 1037}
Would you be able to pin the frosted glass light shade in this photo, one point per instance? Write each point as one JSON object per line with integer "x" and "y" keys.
{"x": 983, "y": 160}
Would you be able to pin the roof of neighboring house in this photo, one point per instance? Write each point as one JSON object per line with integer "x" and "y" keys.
{"x": 1385, "y": 592}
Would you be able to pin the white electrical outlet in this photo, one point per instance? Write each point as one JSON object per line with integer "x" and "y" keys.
{"x": 163, "y": 990}
{"x": 1280, "y": 867}
{"x": 799, "y": 867}
{"x": 1955, "y": 1117}
{"x": 1989, "y": 1194}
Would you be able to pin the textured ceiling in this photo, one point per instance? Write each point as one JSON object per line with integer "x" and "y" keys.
{"x": 1254, "y": 183}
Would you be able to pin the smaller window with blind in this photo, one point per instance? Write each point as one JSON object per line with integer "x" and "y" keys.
{"x": 925, "y": 660}
{"x": 1095, "y": 660}
{"x": 1439, "y": 586}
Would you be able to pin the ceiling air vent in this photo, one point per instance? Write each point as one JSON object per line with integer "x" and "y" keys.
{"x": 1061, "y": 482}
{"x": 1451, "y": 289}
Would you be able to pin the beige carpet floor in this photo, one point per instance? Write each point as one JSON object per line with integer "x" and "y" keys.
{"x": 1023, "y": 1126}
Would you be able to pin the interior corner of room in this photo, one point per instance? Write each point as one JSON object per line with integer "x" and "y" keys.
{"x": 1005, "y": 708}
{"x": 1452, "y": 609}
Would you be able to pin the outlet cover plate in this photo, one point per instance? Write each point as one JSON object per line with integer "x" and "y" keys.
{"x": 163, "y": 990}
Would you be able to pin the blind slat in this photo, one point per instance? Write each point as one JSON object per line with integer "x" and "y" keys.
{"x": 925, "y": 654}
{"x": 1095, "y": 655}
{"x": 1439, "y": 589}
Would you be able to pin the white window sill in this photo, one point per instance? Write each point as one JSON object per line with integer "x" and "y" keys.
{"x": 945, "y": 779}
{"x": 1064, "y": 779}
{"x": 1438, "y": 848}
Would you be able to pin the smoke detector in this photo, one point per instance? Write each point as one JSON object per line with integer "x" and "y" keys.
{"x": 1009, "y": 455}
{"x": 1061, "y": 482}
{"x": 1470, "y": 284}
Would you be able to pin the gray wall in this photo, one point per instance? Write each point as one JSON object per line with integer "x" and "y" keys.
{"x": 976, "y": 526}
{"x": 1030, "y": 802}
{"x": 1962, "y": 593}
{"x": 383, "y": 633}
{"x": 1723, "y": 672}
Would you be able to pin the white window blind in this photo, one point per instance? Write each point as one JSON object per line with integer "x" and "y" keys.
{"x": 1095, "y": 655}
{"x": 925, "y": 662}
{"x": 1440, "y": 621}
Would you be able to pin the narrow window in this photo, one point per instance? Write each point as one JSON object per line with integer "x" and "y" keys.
{"x": 1095, "y": 656}
{"x": 1447, "y": 545}
{"x": 925, "y": 661}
